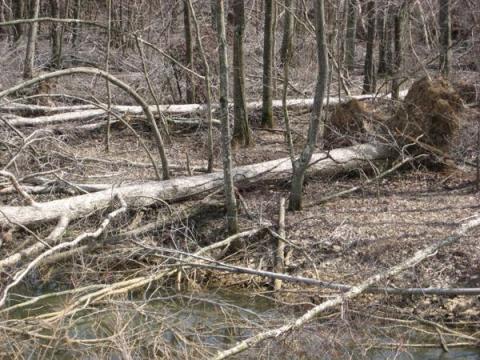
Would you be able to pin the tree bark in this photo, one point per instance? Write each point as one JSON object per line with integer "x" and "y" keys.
{"x": 316, "y": 122}
{"x": 369, "y": 68}
{"x": 31, "y": 43}
{"x": 207, "y": 87}
{"x": 18, "y": 9}
{"x": 267, "y": 88}
{"x": 288, "y": 30}
{"x": 213, "y": 13}
{"x": 190, "y": 86}
{"x": 230, "y": 201}
{"x": 241, "y": 130}
{"x": 333, "y": 162}
{"x": 444, "y": 24}
{"x": 390, "y": 40}
{"x": 56, "y": 36}
{"x": 384, "y": 43}
{"x": 401, "y": 20}
{"x": 76, "y": 26}
{"x": 3, "y": 6}
{"x": 351, "y": 34}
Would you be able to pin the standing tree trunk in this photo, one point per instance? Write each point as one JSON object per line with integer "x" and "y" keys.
{"x": 390, "y": 40}
{"x": 384, "y": 44}
{"x": 3, "y": 31}
{"x": 208, "y": 89}
{"x": 241, "y": 130}
{"x": 230, "y": 201}
{"x": 76, "y": 26}
{"x": 107, "y": 69}
{"x": 445, "y": 36}
{"x": 289, "y": 28}
{"x": 351, "y": 34}
{"x": 18, "y": 9}
{"x": 56, "y": 36}
{"x": 401, "y": 20}
{"x": 31, "y": 43}
{"x": 316, "y": 124}
{"x": 213, "y": 12}
{"x": 369, "y": 69}
{"x": 267, "y": 112}
{"x": 190, "y": 85}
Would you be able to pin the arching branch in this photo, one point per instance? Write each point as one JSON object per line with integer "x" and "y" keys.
{"x": 92, "y": 71}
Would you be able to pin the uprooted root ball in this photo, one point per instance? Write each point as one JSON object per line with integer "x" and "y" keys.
{"x": 430, "y": 113}
{"x": 469, "y": 92}
{"x": 349, "y": 123}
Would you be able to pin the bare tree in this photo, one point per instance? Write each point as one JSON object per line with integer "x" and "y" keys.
{"x": 351, "y": 34}
{"x": 207, "y": 83}
{"x": 18, "y": 10}
{"x": 267, "y": 112}
{"x": 401, "y": 19}
{"x": 76, "y": 26}
{"x": 31, "y": 43}
{"x": 301, "y": 163}
{"x": 230, "y": 201}
{"x": 213, "y": 12}
{"x": 241, "y": 131}
{"x": 385, "y": 44}
{"x": 369, "y": 68}
{"x": 445, "y": 36}
{"x": 187, "y": 21}
{"x": 56, "y": 36}
{"x": 288, "y": 30}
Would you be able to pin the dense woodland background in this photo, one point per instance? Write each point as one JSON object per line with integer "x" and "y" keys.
{"x": 189, "y": 179}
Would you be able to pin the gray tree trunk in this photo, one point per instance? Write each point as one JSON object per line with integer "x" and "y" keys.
{"x": 241, "y": 130}
{"x": 267, "y": 112}
{"x": 187, "y": 21}
{"x": 351, "y": 34}
{"x": 56, "y": 36}
{"x": 207, "y": 83}
{"x": 390, "y": 40}
{"x": 316, "y": 122}
{"x": 288, "y": 30}
{"x": 230, "y": 201}
{"x": 401, "y": 20}
{"x": 18, "y": 9}
{"x": 384, "y": 43}
{"x": 369, "y": 68}
{"x": 444, "y": 24}
{"x": 31, "y": 43}
{"x": 76, "y": 26}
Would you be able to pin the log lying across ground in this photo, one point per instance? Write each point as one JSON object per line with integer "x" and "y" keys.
{"x": 332, "y": 162}
{"x": 86, "y": 112}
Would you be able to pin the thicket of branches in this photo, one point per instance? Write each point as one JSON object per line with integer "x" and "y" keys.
{"x": 172, "y": 96}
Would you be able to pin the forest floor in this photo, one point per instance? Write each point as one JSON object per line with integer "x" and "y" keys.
{"x": 346, "y": 239}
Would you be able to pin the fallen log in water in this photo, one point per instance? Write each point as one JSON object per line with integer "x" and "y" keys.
{"x": 87, "y": 112}
{"x": 334, "y": 161}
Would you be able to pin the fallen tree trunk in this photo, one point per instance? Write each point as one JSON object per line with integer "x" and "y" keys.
{"x": 332, "y": 162}
{"x": 87, "y": 112}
